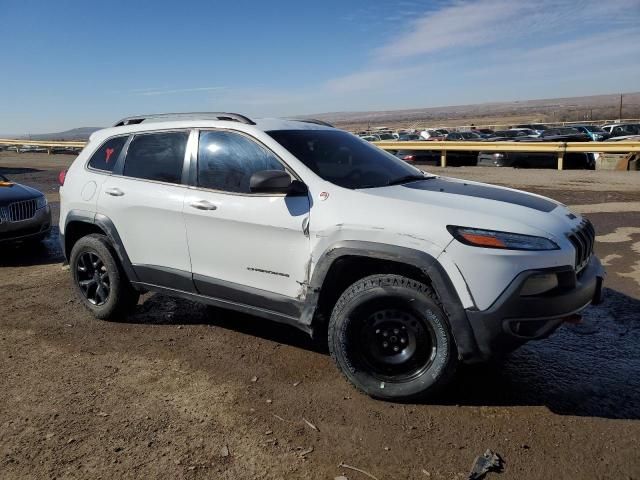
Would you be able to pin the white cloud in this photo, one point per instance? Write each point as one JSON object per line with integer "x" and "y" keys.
{"x": 457, "y": 25}
{"x": 471, "y": 24}
{"x": 370, "y": 79}
{"x": 155, "y": 91}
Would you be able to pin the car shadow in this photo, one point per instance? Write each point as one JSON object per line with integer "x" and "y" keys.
{"x": 29, "y": 253}
{"x": 591, "y": 369}
{"x": 161, "y": 309}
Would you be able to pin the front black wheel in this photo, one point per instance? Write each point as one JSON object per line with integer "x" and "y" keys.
{"x": 98, "y": 279}
{"x": 391, "y": 338}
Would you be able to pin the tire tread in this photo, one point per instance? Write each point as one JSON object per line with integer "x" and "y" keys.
{"x": 385, "y": 280}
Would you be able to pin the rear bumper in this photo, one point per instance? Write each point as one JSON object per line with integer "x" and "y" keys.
{"x": 37, "y": 226}
{"x": 514, "y": 319}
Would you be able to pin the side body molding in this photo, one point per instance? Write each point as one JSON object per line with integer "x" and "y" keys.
{"x": 297, "y": 312}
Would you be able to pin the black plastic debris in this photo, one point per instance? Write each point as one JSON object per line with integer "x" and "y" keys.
{"x": 485, "y": 463}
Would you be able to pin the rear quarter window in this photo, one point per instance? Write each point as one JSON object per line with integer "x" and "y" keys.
{"x": 106, "y": 156}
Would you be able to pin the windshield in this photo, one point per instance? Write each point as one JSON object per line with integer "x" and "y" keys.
{"x": 344, "y": 159}
{"x": 592, "y": 128}
{"x": 3, "y": 178}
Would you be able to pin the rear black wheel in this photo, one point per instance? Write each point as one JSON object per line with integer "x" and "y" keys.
{"x": 391, "y": 339}
{"x": 93, "y": 278}
{"x": 98, "y": 278}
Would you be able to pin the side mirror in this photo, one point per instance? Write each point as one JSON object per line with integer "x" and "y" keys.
{"x": 275, "y": 181}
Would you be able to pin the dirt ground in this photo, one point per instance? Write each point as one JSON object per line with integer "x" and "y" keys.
{"x": 181, "y": 391}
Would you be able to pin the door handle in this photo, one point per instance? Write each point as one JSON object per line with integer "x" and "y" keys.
{"x": 114, "y": 192}
{"x": 203, "y": 205}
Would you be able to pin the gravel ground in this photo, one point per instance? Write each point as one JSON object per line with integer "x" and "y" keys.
{"x": 182, "y": 391}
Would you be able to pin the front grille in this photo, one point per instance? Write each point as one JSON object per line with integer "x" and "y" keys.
{"x": 583, "y": 239}
{"x": 24, "y": 210}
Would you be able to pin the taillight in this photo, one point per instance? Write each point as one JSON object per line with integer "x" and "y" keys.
{"x": 61, "y": 177}
{"x": 409, "y": 158}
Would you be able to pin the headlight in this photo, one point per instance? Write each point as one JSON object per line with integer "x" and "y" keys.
{"x": 41, "y": 202}
{"x": 503, "y": 240}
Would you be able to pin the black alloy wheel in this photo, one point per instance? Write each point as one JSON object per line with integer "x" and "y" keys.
{"x": 93, "y": 278}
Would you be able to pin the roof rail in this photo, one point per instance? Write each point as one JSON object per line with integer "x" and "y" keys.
{"x": 234, "y": 117}
{"x": 311, "y": 120}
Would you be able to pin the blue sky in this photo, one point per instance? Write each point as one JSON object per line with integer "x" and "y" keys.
{"x": 79, "y": 63}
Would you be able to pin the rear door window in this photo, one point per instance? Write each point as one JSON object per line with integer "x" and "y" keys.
{"x": 106, "y": 156}
{"x": 157, "y": 156}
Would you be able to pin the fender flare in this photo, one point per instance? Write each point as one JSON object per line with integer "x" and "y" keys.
{"x": 110, "y": 230}
{"x": 458, "y": 320}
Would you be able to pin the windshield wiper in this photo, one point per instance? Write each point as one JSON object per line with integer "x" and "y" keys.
{"x": 407, "y": 178}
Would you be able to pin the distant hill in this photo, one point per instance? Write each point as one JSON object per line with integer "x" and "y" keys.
{"x": 81, "y": 133}
{"x": 597, "y": 107}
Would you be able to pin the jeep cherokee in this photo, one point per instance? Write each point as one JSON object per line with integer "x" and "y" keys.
{"x": 405, "y": 274}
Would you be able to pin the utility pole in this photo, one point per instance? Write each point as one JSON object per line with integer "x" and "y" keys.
{"x": 620, "y": 111}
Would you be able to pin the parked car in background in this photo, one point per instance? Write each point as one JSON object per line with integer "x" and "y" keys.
{"x": 484, "y": 132}
{"x": 25, "y": 214}
{"x": 541, "y": 159}
{"x": 537, "y": 127}
{"x": 622, "y": 129}
{"x": 527, "y": 132}
{"x": 594, "y": 132}
{"x": 386, "y": 136}
{"x": 564, "y": 134}
{"x": 463, "y": 136}
{"x": 370, "y": 138}
{"x": 572, "y": 161}
{"x": 626, "y": 138}
{"x": 432, "y": 157}
{"x": 433, "y": 134}
{"x": 506, "y": 135}
{"x": 409, "y": 137}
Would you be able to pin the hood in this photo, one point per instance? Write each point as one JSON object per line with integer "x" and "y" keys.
{"x": 16, "y": 192}
{"x": 473, "y": 204}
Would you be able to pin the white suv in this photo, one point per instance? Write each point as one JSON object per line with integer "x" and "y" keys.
{"x": 405, "y": 274}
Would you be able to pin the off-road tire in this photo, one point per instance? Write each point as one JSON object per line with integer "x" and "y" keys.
{"x": 122, "y": 297}
{"x": 422, "y": 304}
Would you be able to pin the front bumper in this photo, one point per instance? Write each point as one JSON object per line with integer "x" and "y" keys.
{"x": 37, "y": 226}
{"x": 513, "y": 319}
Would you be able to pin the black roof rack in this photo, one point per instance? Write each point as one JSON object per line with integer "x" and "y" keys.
{"x": 234, "y": 117}
{"x": 311, "y": 120}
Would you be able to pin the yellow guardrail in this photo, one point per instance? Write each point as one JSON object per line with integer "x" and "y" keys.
{"x": 11, "y": 142}
{"x": 559, "y": 148}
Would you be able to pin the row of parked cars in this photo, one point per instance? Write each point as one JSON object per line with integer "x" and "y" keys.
{"x": 518, "y": 133}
